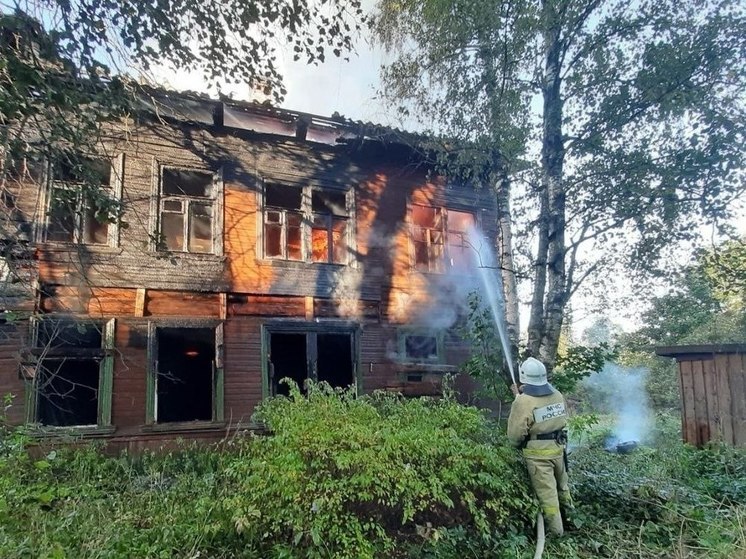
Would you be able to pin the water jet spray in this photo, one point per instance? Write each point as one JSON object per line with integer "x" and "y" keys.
{"x": 492, "y": 286}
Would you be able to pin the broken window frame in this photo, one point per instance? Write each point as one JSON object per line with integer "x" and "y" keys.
{"x": 218, "y": 374}
{"x": 444, "y": 261}
{"x": 36, "y": 354}
{"x": 307, "y": 225}
{"x": 311, "y": 330}
{"x": 407, "y": 332}
{"x": 80, "y": 207}
{"x": 330, "y": 219}
{"x": 159, "y": 200}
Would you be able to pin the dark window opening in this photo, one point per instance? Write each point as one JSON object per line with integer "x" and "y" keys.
{"x": 323, "y": 356}
{"x": 184, "y": 383}
{"x": 420, "y": 347}
{"x": 53, "y": 334}
{"x": 196, "y": 184}
{"x": 334, "y": 359}
{"x": 68, "y": 372}
{"x": 282, "y": 196}
{"x": 288, "y": 360}
{"x": 90, "y": 171}
{"x": 187, "y": 216}
{"x": 67, "y": 392}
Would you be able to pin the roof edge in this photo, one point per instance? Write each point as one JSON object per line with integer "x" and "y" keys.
{"x": 674, "y": 351}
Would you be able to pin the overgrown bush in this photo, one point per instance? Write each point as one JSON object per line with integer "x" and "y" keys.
{"x": 377, "y": 477}
{"x": 339, "y": 476}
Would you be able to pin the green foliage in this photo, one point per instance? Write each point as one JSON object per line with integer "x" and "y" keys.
{"x": 725, "y": 268}
{"x": 361, "y": 477}
{"x": 580, "y": 425}
{"x": 376, "y": 476}
{"x": 487, "y": 362}
{"x": 339, "y": 476}
{"x": 578, "y": 362}
{"x": 670, "y": 497}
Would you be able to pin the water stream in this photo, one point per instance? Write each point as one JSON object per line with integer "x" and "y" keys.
{"x": 492, "y": 289}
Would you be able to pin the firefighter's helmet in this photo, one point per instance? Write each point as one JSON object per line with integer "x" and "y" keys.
{"x": 533, "y": 372}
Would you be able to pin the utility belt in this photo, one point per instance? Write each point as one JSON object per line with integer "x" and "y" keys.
{"x": 560, "y": 436}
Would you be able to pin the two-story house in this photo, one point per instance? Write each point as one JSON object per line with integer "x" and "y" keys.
{"x": 253, "y": 244}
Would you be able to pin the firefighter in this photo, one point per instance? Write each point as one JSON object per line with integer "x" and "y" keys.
{"x": 537, "y": 422}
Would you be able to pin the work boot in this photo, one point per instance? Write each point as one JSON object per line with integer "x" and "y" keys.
{"x": 553, "y": 525}
{"x": 569, "y": 517}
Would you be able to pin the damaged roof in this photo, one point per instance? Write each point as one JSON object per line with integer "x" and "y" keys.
{"x": 262, "y": 118}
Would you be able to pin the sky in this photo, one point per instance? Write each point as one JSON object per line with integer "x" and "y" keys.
{"x": 347, "y": 87}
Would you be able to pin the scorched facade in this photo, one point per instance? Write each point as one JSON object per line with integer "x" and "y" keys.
{"x": 252, "y": 245}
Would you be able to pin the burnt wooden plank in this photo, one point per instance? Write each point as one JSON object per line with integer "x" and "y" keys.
{"x": 176, "y": 303}
{"x": 130, "y": 372}
{"x": 267, "y": 305}
{"x": 243, "y": 382}
{"x": 725, "y": 402}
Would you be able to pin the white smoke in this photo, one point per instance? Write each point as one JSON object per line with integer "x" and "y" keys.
{"x": 621, "y": 391}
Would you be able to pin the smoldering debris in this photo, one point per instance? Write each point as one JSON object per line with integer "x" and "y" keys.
{"x": 620, "y": 391}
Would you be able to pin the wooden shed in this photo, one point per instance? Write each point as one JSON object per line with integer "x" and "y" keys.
{"x": 712, "y": 379}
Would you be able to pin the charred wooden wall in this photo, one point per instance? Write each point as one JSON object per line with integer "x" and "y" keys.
{"x": 132, "y": 282}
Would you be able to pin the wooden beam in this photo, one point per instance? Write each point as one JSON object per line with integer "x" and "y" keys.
{"x": 140, "y": 302}
{"x": 309, "y": 308}
{"x": 223, "y": 306}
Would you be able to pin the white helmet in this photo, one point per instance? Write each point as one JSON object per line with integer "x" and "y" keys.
{"x": 533, "y": 372}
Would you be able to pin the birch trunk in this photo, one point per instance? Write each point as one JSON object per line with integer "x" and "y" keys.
{"x": 552, "y": 161}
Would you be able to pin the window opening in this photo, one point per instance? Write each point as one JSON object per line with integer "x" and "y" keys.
{"x": 329, "y": 228}
{"x": 79, "y": 205}
{"x": 283, "y": 221}
{"x": 184, "y": 383}
{"x": 288, "y": 360}
{"x": 418, "y": 347}
{"x": 440, "y": 238}
{"x": 334, "y": 359}
{"x": 187, "y": 210}
{"x": 303, "y": 223}
{"x": 321, "y": 356}
{"x": 68, "y": 372}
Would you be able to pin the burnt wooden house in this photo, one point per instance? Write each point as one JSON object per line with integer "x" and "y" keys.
{"x": 712, "y": 380}
{"x": 253, "y": 244}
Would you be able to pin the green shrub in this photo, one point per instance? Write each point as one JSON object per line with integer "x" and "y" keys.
{"x": 340, "y": 476}
{"x": 372, "y": 477}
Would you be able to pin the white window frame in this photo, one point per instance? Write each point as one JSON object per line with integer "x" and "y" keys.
{"x": 157, "y": 209}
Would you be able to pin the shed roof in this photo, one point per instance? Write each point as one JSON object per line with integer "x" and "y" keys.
{"x": 681, "y": 350}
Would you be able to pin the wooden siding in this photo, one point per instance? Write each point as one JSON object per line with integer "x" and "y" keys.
{"x": 377, "y": 292}
{"x": 713, "y": 391}
{"x": 12, "y": 340}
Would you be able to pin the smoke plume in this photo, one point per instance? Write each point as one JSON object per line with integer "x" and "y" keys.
{"x": 621, "y": 391}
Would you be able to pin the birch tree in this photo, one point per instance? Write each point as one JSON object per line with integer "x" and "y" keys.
{"x": 617, "y": 126}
